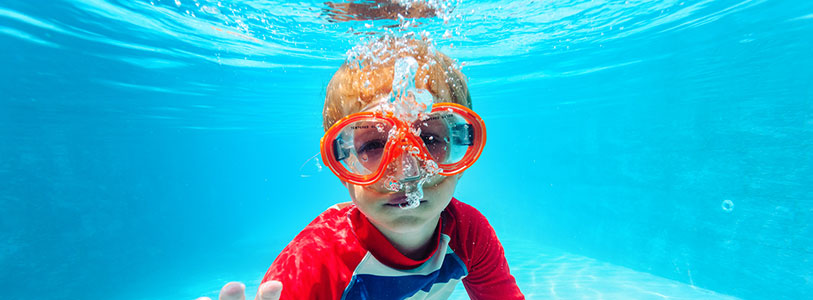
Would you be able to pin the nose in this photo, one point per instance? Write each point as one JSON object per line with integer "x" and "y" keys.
{"x": 403, "y": 170}
{"x": 406, "y": 168}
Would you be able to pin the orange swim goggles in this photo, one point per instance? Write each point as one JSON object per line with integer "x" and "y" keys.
{"x": 359, "y": 147}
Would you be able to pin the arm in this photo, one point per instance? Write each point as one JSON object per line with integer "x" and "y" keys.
{"x": 489, "y": 276}
{"x": 319, "y": 262}
{"x": 309, "y": 267}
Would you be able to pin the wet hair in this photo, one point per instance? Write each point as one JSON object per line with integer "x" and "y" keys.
{"x": 367, "y": 74}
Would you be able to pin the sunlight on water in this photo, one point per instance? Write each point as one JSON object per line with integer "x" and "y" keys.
{"x": 253, "y": 33}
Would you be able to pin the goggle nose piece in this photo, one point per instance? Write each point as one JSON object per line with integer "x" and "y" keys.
{"x": 410, "y": 168}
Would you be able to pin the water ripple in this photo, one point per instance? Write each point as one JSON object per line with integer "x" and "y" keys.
{"x": 26, "y": 37}
{"x": 260, "y": 33}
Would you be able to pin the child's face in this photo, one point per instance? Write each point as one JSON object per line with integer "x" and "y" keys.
{"x": 382, "y": 205}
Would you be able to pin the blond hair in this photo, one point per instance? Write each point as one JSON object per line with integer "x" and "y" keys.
{"x": 368, "y": 74}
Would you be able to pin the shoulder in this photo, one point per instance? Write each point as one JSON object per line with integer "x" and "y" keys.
{"x": 325, "y": 241}
{"x": 474, "y": 241}
{"x": 471, "y": 235}
{"x": 320, "y": 260}
{"x": 329, "y": 229}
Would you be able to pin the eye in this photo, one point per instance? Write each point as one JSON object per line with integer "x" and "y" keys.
{"x": 370, "y": 146}
{"x": 430, "y": 139}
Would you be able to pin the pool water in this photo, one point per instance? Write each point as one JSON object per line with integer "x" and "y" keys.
{"x": 640, "y": 149}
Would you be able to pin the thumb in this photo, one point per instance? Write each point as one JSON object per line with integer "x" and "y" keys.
{"x": 270, "y": 290}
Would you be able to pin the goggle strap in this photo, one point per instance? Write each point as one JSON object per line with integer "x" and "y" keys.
{"x": 463, "y": 134}
{"x": 339, "y": 153}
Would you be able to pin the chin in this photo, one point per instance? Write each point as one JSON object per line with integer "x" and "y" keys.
{"x": 409, "y": 223}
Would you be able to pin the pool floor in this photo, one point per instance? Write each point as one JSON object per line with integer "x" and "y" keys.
{"x": 545, "y": 273}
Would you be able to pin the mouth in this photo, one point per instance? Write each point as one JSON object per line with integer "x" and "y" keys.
{"x": 398, "y": 201}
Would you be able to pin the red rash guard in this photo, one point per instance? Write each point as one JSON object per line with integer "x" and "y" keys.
{"x": 341, "y": 255}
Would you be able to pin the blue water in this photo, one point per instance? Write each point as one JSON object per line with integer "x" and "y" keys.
{"x": 637, "y": 149}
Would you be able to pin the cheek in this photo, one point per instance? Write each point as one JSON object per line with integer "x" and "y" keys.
{"x": 444, "y": 189}
{"x": 363, "y": 196}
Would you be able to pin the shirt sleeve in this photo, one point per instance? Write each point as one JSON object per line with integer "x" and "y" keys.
{"x": 318, "y": 263}
{"x": 489, "y": 277}
{"x": 306, "y": 267}
{"x": 291, "y": 269}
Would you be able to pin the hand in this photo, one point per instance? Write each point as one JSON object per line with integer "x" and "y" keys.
{"x": 377, "y": 10}
{"x": 270, "y": 290}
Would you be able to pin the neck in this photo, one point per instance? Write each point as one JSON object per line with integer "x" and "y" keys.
{"x": 415, "y": 244}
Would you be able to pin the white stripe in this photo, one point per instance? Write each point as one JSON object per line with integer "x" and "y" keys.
{"x": 372, "y": 266}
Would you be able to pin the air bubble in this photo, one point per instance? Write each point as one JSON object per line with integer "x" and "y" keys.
{"x": 447, "y": 34}
{"x": 392, "y": 134}
{"x": 728, "y": 205}
{"x": 416, "y": 131}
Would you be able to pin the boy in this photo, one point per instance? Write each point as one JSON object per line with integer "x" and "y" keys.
{"x": 399, "y": 133}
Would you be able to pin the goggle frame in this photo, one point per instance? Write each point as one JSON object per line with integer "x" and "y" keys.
{"x": 403, "y": 136}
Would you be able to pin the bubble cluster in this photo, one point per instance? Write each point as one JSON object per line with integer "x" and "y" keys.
{"x": 407, "y": 102}
{"x": 410, "y": 104}
{"x": 394, "y": 46}
{"x": 414, "y": 194}
{"x": 431, "y": 167}
{"x": 393, "y": 184}
{"x": 442, "y": 8}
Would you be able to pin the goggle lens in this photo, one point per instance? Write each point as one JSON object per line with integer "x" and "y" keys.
{"x": 359, "y": 146}
{"x": 447, "y": 136}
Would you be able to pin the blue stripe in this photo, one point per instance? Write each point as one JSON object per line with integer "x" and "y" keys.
{"x": 375, "y": 287}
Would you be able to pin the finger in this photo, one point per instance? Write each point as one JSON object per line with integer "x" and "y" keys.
{"x": 270, "y": 290}
{"x": 233, "y": 291}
